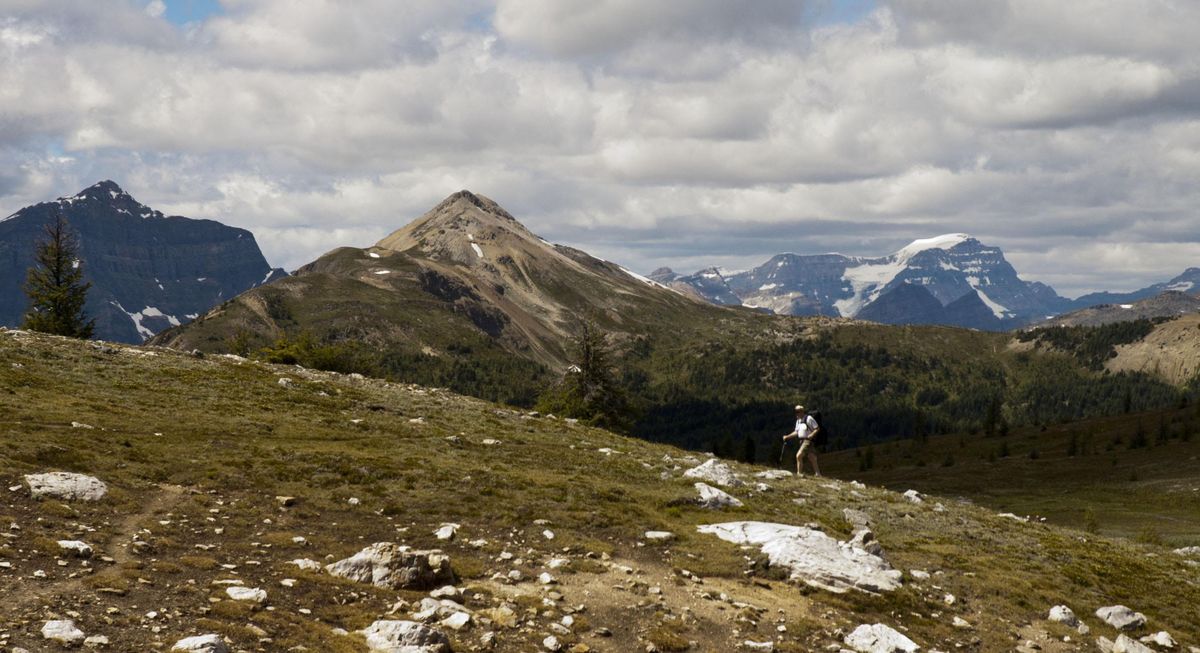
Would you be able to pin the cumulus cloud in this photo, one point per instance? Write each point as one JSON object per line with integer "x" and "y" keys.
{"x": 678, "y": 132}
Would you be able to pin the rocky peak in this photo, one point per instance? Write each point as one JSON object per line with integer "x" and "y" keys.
{"x": 459, "y": 225}
{"x": 110, "y": 196}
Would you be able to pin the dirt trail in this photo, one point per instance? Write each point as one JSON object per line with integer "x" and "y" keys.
{"x": 115, "y": 546}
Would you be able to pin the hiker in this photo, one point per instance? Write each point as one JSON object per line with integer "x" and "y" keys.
{"x": 806, "y": 429}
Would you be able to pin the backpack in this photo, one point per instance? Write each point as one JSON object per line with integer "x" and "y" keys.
{"x": 822, "y": 436}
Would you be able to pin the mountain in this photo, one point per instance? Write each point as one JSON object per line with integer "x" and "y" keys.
{"x": 464, "y": 295}
{"x": 1168, "y": 304}
{"x": 1188, "y": 282}
{"x": 148, "y": 271}
{"x": 708, "y": 284}
{"x": 949, "y": 267}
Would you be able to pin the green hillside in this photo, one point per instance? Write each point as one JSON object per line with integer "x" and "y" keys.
{"x": 196, "y": 452}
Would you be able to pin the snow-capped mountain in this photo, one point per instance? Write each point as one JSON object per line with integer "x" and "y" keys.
{"x": 1188, "y": 282}
{"x": 148, "y": 271}
{"x": 948, "y": 267}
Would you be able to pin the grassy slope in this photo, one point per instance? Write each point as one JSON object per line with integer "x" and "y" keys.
{"x": 192, "y": 445}
{"x": 1152, "y": 492}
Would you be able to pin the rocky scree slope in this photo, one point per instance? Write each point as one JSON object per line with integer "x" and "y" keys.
{"x": 243, "y": 503}
{"x": 148, "y": 271}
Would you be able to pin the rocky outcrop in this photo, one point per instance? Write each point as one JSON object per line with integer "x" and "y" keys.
{"x": 878, "y": 638}
{"x": 388, "y": 636}
{"x": 1064, "y": 615}
{"x": 66, "y": 486}
{"x": 387, "y": 564}
{"x": 812, "y": 556}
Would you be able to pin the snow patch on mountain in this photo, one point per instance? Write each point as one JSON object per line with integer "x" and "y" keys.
{"x": 868, "y": 279}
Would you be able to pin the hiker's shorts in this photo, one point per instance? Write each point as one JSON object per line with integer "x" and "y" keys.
{"x": 804, "y": 447}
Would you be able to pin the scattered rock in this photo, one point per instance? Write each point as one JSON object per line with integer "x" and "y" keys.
{"x": 389, "y": 636}
{"x": 96, "y": 641}
{"x": 959, "y": 622}
{"x": 715, "y": 471}
{"x": 711, "y": 497}
{"x": 759, "y": 646}
{"x": 773, "y": 474}
{"x": 253, "y": 594}
{"x": 62, "y": 631}
{"x": 1064, "y": 615}
{"x": 552, "y": 644}
{"x": 659, "y": 536}
{"x": 386, "y": 564}
{"x": 446, "y": 592}
{"x": 457, "y": 621}
{"x": 1121, "y": 617}
{"x": 914, "y": 496}
{"x": 285, "y": 502}
{"x": 864, "y": 539}
{"x": 286, "y": 382}
{"x": 202, "y": 644}
{"x": 1189, "y": 551}
{"x": 812, "y": 556}
{"x": 447, "y": 531}
{"x": 878, "y": 638}
{"x": 306, "y": 564}
{"x": 66, "y": 486}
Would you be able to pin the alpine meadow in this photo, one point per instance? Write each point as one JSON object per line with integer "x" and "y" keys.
{"x": 600, "y": 326}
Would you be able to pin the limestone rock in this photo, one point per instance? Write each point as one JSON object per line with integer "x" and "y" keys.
{"x": 1121, "y": 617}
{"x": 62, "y": 631}
{"x": 1189, "y": 552}
{"x": 96, "y": 641}
{"x": 659, "y": 536}
{"x": 878, "y": 638}
{"x": 773, "y": 474}
{"x": 387, "y": 564}
{"x": 202, "y": 644}
{"x": 306, "y": 564}
{"x": 389, "y": 636}
{"x": 446, "y": 531}
{"x": 1126, "y": 644}
{"x": 1064, "y": 615}
{"x": 1161, "y": 638}
{"x": 246, "y": 594}
{"x": 914, "y": 496}
{"x": 711, "y": 497}
{"x": 864, "y": 539}
{"x": 76, "y": 548}
{"x": 812, "y": 556}
{"x": 66, "y": 486}
{"x": 856, "y": 518}
{"x": 715, "y": 471}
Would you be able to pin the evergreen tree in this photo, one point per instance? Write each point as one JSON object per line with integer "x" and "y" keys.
{"x": 749, "y": 450}
{"x": 590, "y": 390}
{"x": 55, "y": 285}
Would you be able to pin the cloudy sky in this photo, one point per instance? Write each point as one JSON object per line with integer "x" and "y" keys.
{"x": 668, "y": 132}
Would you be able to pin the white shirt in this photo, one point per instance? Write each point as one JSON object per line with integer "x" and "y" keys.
{"x": 804, "y": 426}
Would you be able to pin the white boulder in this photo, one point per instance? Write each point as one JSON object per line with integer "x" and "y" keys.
{"x": 252, "y": 594}
{"x": 1126, "y": 644}
{"x": 62, "y": 631}
{"x": 66, "y": 486}
{"x": 878, "y": 638}
{"x": 76, "y": 548}
{"x": 914, "y": 496}
{"x": 711, "y": 497}
{"x": 715, "y": 471}
{"x": 1064, "y": 615}
{"x": 659, "y": 536}
{"x": 390, "y": 636}
{"x": 773, "y": 474}
{"x": 1189, "y": 552}
{"x": 387, "y": 564}
{"x": 812, "y": 556}
{"x": 1161, "y": 638}
{"x": 202, "y": 644}
{"x": 446, "y": 531}
{"x": 1121, "y": 617}
{"x": 306, "y": 564}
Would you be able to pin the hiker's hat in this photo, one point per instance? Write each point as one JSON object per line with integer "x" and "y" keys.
{"x": 799, "y": 408}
